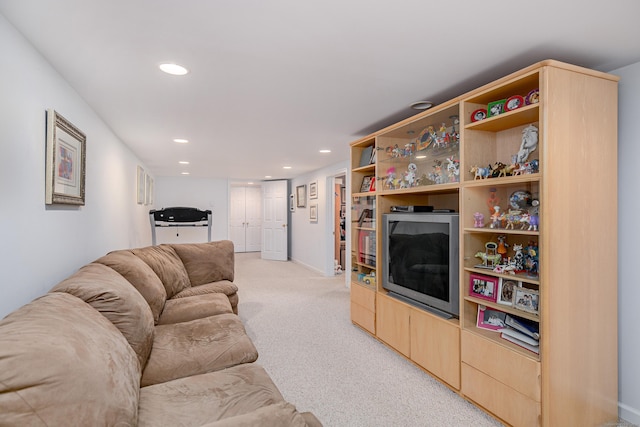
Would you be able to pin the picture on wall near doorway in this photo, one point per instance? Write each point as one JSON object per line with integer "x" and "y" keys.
{"x": 141, "y": 185}
{"x": 148, "y": 189}
{"x": 313, "y": 190}
{"x": 292, "y": 202}
{"x": 65, "y": 161}
{"x": 301, "y": 196}
{"x": 313, "y": 212}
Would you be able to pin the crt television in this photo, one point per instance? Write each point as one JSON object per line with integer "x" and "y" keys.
{"x": 420, "y": 260}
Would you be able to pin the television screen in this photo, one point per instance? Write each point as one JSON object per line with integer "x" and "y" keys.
{"x": 421, "y": 258}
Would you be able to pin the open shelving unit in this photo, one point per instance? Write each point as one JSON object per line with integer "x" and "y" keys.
{"x": 552, "y": 206}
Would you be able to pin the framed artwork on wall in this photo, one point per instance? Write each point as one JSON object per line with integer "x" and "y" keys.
{"x": 141, "y": 185}
{"x": 313, "y": 212}
{"x": 301, "y": 196}
{"x": 65, "y": 161}
{"x": 313, "y": 190}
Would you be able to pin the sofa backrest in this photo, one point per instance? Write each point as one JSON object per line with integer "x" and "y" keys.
{"x": 207, "y": 262}
{"x": 141, "y": 276}
{"x": 164, "y": 261}
{"x": 117, "y": 300}
{"x": 63, "y": 363}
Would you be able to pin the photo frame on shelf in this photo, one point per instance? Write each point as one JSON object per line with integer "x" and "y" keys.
{"x": 301, "y": 196}
{"x": 483, "y": 287}
{"x": 366, "y": 184}
{"x": 313, "y": 212}
{"x": 313, "y": 190}
{"x": 365, "y": 156}
{"x": 526, "y": 300}
{"x": 490, "y": 319}
{"x": 141, "y": 185}
{"x": 506, "y": 289}
{"x": 65, "y": 162}
{"x": 495, "y": 108}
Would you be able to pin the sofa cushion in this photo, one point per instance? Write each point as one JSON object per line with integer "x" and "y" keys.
{"x": 164, "y": 261}
{"x": 281, "y": 414}
{"x": 62, "y": 363}
{"x": 207, "y": 262}
{"x": 197, "y": 347}
{"x": 116, "y": 299}
{"x": 223, "y": 286}
{"x": 140, "y": 275}
{"x": 196, "y": 307}
{"x": 205, "y": 398}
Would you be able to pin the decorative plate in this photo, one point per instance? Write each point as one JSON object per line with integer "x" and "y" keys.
{"x": 513, "y": 103}
{"x": 478, "y": 115}
{"x": 533, "y": 97}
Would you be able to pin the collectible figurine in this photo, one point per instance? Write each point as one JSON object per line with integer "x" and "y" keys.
{"x": 502, "y": 246}
{"x": 529, "y": 143}
{"x": 391, "y": 178}
{"x": 534, "y": 212}
{"x": 518, "y": 258}
{"x": 492, "y": 201}
{"x": 531, "y": 260}
{"x": 496, "y": 218}
{"x": 478, "y": 220}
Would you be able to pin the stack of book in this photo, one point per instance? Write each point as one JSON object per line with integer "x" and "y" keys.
{"x": 522, "y": 332}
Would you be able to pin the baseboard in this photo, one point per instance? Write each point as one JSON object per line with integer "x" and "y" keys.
{"x": 307, "y": 266}
{"x": 628, "y": 413}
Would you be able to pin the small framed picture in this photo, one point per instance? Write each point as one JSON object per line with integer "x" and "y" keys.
{"x": 372, "y": 187}
{"x": 483, "y": 287}
{"x": 301, "y": 196}
{"x": 366, "y": 184}
{"x": 506, "y": 288}
{"x": 313, "y": 212}
{"x": 491, "y": 319}
{"x": 313, "y": 190}
{"x": 292, "y": 202}
{"x": 526, "y": 300}
{"x": 495, "y": 108}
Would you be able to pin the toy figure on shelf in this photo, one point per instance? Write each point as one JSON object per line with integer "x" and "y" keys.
{"x": 531, "y": 259}
{"x": 502, "y": 246}
{"x": 534, "y": 218}
{"x": 391, "y": 180}
{"x": 480, "y": 173}
{"x": 490, "y": 258}
{"x": 478, "y": 220}
{"x": 492, "y": 201}
{"x": 529, "y": 143}
{"x": 496, "y": 217}
{"x": 410, "y": 176}
{"x": 453, "y": 169}
{"x": 514, "y": 218}
{"x": 518, "y": 258}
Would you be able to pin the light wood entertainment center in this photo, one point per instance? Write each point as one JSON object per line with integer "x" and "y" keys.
{"x": 573, "y": 381}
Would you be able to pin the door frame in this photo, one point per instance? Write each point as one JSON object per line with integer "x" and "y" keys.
{"x": 330, "y": 204}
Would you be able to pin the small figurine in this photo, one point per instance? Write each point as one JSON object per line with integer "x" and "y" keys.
{"x": 534, "y": 218}
{"x": 480, "y": 173}
{"x": 391, "y": 178}
{"x": 478, "y": 220}
{"x": 502, "y": 246}
{"x": 529, "y": 143}
{"x": 410, "y": 175}
{"x": 493, "y": 200}
{"x": 496, "y": 218}
{"x": 531, "y": 260}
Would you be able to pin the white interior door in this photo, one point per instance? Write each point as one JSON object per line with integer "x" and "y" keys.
{"x": 274, "y": 225}
{"x": 253, "y": 218}
{"x": 245, "y": 218}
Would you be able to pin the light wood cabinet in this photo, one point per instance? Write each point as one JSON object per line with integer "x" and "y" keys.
{"x": 572, "y": 175}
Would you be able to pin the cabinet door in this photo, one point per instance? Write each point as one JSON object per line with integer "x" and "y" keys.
{"x": 363, "y": 307}
{"x": 392, "y": 323}
{"x": 435, "y": 345}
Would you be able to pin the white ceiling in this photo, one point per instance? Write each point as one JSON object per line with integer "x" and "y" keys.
{"x": 274, "y": 81}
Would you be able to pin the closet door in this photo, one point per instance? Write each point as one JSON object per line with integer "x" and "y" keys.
{"x": 245, "y": 218}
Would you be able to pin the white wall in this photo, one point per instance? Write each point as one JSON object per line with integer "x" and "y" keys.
{"x": 311, "y": 242}
{"x": 39, "y": 245}
{"x": 628, "y": 240}
{"x": 200, "y": 193}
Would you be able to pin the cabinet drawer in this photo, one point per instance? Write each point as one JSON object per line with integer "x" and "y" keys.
{"x": 513, "y": 369}
{"x": 503, "y": 401}
{"x": 363, "y": 297}
{"x": 363, "y": 317}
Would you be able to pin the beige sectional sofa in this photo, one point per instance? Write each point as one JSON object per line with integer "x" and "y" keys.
{"x": 146, "y": 337}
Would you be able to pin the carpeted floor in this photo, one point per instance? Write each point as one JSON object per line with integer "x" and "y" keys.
{"x": 299, "y": 321}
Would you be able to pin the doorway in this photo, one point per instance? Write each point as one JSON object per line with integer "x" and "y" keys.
{"x": 245, "y": 218}
{"x": 339, "y": 223}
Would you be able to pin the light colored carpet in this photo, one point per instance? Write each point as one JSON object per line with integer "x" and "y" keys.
{"x": 300, "y": 323}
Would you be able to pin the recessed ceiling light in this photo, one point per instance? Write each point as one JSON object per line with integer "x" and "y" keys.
{"x": 185, "y": 173}
{"x": 267, "y": 176}
{"x": 286, "y": 167}
{"x": 183, "y": 162}
{"x": 422, "y": 105}
{"x": 325, "y": 151}
{"x": 181, "y": 141}
{"x": 173, "y": 69}
{"x": 250, "y": 183}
